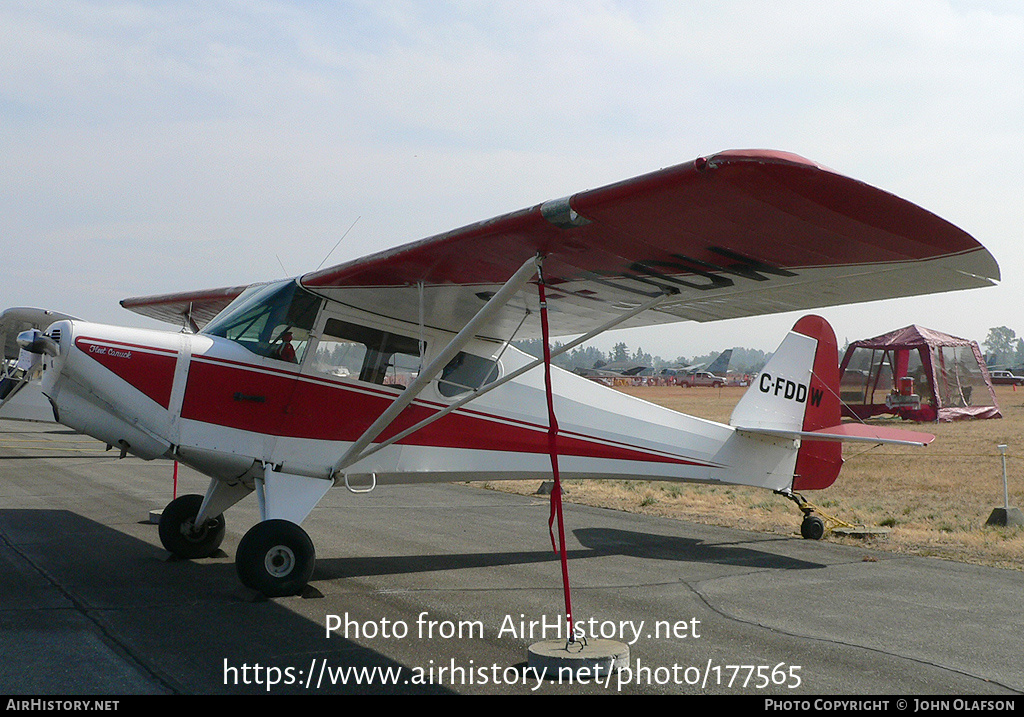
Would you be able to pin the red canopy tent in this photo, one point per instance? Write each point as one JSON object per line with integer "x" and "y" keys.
{"x": 918, "y": 374}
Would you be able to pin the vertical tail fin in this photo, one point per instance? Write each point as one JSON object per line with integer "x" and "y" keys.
{"x": 818, "y": 462}
{"x": 797, "y": 392}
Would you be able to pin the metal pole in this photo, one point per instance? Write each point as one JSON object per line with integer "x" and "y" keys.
{"x": 1006, "y": 490}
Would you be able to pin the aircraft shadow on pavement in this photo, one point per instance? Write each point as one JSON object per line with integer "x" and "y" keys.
{"x": 597, "y": 543}
{"x": 141, "y": 623}
{"x": 649, "y": 546}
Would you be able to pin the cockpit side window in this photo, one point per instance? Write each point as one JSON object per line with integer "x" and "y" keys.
{"x": 369, "y": 354}
{"x": 272, "y": 321}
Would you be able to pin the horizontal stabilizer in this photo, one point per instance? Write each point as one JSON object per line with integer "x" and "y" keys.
{"x": 854, "y": 432}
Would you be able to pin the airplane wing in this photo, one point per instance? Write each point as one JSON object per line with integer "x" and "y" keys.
{"x": 20, "y": 318}
{"x": 739, "y": 233}
{"x": 189, "y": 308}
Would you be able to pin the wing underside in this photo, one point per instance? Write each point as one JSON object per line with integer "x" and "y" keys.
{"x": 740, "y": 233}
{"x": 186, "y": 309}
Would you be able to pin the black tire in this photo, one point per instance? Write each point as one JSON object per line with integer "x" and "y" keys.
{"x": 275, "y": 557}
{"x": 179, "y": 534}
{"x": 812, "y": 527}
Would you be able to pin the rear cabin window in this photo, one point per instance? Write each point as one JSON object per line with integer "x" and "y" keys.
{"x": 350, "y": 350}
{"x": 370, "y": 355}
{"x": 466, "y": 372}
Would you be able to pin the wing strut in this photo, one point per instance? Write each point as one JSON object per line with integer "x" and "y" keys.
{"x": 486, "y": 313}
{"x": 607, "y": 326}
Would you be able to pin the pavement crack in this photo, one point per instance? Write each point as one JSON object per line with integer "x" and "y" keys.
{"x": 94, "y": 617}
{"x": 707, "y": 600}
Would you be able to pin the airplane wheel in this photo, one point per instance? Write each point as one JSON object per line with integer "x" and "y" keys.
{"x": 812, "y": 527}
{"x": 275, "y": 557}
{"x": 178, "y": 531}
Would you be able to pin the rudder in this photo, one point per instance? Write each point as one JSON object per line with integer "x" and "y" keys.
{"x": 818, "y": 462}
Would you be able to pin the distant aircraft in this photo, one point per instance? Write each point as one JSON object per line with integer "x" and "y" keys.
{"x": 21, "y": 371}
{"x": 611, "y": 371}
{"x": 678, "y": 374}
{"x": 397, "y": 368}
{"x": 720, "y": 366}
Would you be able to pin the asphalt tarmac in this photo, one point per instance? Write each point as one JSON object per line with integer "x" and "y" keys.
{"x": 439, "y": 589}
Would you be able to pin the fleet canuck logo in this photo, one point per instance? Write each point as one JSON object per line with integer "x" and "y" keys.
{"x": 788, "y": 389}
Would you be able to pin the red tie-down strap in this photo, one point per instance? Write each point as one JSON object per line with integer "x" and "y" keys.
{"x": 556, "y": 492}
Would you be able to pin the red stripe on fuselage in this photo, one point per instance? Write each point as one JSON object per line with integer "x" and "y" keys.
{"x": 285, "y": 404}
{"x": 148, "y": 369}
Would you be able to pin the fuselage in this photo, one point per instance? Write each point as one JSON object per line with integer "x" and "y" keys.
{"x": 228, "y": 406}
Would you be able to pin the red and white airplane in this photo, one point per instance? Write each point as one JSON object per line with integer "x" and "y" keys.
{"x": 397, "y": 368}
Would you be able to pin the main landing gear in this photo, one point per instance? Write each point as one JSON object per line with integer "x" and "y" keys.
{"x": 275, "y": 557}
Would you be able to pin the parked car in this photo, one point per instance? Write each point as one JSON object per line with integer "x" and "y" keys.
{"x": 701, "y": 378}
{"x": 1006, "y": 378}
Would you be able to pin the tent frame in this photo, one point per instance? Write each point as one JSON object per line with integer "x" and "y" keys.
{"x": 957, "y": 387}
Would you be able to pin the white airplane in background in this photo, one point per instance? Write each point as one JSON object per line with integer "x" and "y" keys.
{"x": 397, "y": 368}
{"x": 21, "y": 371}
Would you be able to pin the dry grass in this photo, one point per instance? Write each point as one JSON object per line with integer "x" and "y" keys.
{"x": 935, "y": 500}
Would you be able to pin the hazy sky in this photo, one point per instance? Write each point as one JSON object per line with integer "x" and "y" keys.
{"x": 151, "y": 147}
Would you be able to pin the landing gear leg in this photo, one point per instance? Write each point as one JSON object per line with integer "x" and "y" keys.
{"x": 276, "y": 557}
{"x": 192, "y": 526}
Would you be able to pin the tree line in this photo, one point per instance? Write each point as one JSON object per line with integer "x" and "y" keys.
{"x": 584, "y": 357}
{"x": 1003, "y": 349}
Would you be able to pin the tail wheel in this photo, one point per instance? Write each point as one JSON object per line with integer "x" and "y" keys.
{"x": 276, "y": 557}
{"x": 812, "y": 527}
{"x": 179, "y": 533}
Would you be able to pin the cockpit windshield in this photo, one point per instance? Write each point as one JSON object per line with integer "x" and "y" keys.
{"x": 273, "y": 320}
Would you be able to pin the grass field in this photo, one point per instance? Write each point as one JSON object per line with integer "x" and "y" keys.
{"x": 933, "y": 500}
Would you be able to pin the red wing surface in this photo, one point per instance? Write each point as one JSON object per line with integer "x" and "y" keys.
{"x": 740, "y": 233}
